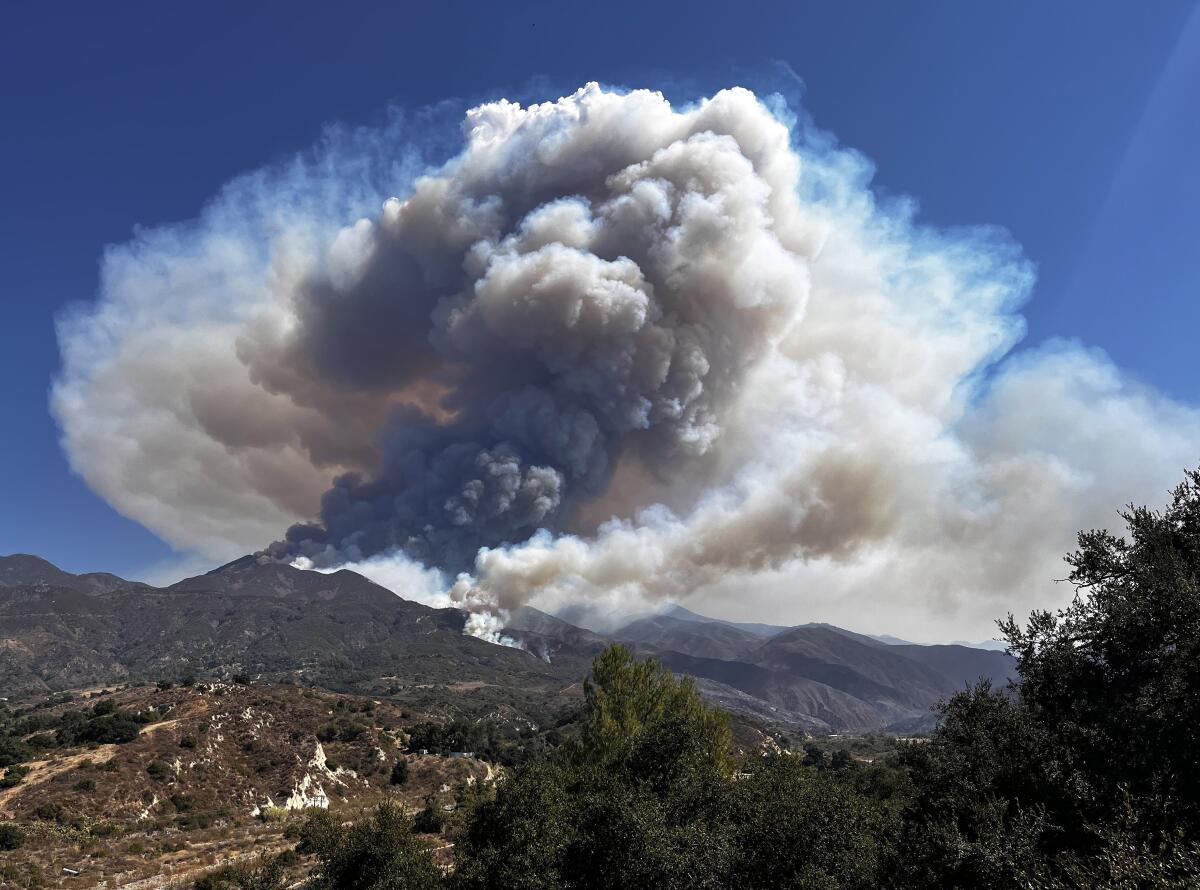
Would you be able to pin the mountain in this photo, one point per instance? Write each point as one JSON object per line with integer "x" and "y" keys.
{"x": 343, "y": 632}
{"x": 703, "y": 639}
{"x": 22, "y": 569}
{"x": 993, "y": 645}
{"x": 337, "y": 630}
{"x": 818, "y": 676}
{"x": 761, "y": 630}
{"x": 547, "y": 636}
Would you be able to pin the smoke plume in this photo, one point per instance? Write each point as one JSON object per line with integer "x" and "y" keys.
{"x": 610, "y": 352}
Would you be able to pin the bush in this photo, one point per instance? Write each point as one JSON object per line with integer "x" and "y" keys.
{"x": 187, "y": 741}
{"x": 104, "y": 706}
{"x": 50, "y": 812}
{"x": 85, "y": 785}
{"x": 272, "y": 814}
{"x": 13, "y": 750}
{"x": 343, "y": 730}
{"x": 379, "y": 852}
{"x": 431, "y": 819}
{"x": 400, "y": 773}
{"x": 158, "y": 770}
{"x": 11, "y": 836}
{"x": 13, "y": 776}
{"x": 113, "y": 729}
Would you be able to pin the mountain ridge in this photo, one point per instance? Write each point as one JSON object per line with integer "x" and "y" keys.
{"x": 345, "y": 632}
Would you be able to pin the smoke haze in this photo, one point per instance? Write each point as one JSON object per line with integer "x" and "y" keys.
{"x": 611, "y": 352}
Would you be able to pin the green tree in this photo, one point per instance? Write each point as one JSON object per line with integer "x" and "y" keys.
{"x": 379, "y": 853}
{"x": 794, "y": 828}
{"x": 651, "y": 796}
{"x": 638, "y": 802}
{"x": 1086, "y": 767}
{"x": 981, "y": 786}
{"x": 1117, "y": 673}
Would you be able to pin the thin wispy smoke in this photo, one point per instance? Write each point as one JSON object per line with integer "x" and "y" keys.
{"x": 612, "y": 351}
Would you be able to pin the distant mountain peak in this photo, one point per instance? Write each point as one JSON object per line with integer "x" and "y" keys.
{"x": 21, "y": 569}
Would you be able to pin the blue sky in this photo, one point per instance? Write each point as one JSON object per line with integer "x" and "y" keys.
{"x": 1074, "y": 125}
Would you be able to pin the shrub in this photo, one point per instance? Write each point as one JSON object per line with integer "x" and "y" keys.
{"x": 85, "y": 785}
{"x": 431, "y": 819}
{"x": 272, "y": 814}
{"x": 11, "y": 836}
{"x": 13, "y": 776}
{"x": 267, "y": 874}
{"x": 187, "y": 741}
{"x": 117, "y": 729}
{"x": 13, "y": 750}
{"x": 400, "y": 772}
{"x": 49, "y": 812}
{"x": 158, "y": 770}
{"x": 378, "y": 852}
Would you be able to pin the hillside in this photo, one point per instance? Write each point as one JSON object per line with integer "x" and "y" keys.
{"x": 216, "y": 772}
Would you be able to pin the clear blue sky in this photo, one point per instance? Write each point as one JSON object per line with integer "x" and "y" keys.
{"x": 1075, "y": 125}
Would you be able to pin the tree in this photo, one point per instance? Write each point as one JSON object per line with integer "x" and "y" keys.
{"x": 379, "y": 853}
{"x": 841, "y": 759}
{"x": 630, "y": 702}
{"x": 636, "y": 803}
{"x": 651, "y": 796}
{"x": 814, "y": 757}
{"x": 796, "y": 828}
{"x": 1084, "y": 771}
{"x": 1117, "y": 673}
{"x": 981, "y": 788}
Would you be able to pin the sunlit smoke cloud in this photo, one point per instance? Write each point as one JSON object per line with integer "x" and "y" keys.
{"x": 611, "y": 352}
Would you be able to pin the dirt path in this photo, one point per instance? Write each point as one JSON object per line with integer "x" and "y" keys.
{"x": 44, "y": 770}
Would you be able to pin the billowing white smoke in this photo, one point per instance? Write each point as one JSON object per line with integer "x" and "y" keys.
{"x": 611, "y": 352}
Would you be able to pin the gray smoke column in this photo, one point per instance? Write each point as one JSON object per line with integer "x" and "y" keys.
{"x": 611, "y": 351}
{"x": 590, "y": 280}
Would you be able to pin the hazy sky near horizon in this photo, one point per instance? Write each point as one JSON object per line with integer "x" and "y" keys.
{"x": 1075, "y": 127}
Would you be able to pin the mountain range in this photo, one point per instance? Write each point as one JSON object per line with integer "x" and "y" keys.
{"x": 341, "y": 631}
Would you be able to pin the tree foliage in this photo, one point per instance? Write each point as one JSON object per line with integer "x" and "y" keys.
{"x": 651, "y": 796}
{"x": 379, "y": 853}
{"x": 1087, "y": 767}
